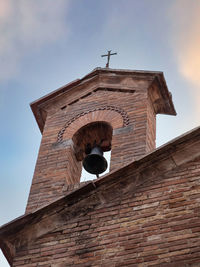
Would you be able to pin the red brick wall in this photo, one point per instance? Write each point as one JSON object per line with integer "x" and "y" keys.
{"x": 158, "y": 224}
{"x": 57, "y": 167}
{"x": 150, "y": 128}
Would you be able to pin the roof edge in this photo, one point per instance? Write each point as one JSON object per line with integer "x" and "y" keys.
{"x": 171, "y": 150}
{"x": 35, "y": 105}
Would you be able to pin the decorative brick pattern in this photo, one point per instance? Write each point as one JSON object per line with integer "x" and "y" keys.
{"x": 112, "y": 108}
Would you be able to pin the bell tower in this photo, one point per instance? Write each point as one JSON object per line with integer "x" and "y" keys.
{"x": 111, "y": 109}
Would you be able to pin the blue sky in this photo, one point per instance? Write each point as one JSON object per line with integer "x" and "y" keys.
{"x": 45, "y": 44}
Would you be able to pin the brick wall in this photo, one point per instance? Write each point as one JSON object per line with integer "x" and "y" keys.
{"x": 156, "y": 224}
{"x": 150, "y": 128}
{"x": 129, "y": 111}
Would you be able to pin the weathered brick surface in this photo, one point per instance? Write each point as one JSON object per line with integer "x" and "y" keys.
{"x": 133, "y": 122}
{"x": 144, "y": 214}
{"x": 157, "y": 224}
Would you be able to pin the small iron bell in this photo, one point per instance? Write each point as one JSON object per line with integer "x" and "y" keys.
{"x": 95, "y": 162}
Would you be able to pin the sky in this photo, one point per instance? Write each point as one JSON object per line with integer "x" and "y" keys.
{"x": 45, "y": 44}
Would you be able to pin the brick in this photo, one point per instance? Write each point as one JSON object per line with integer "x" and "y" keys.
{"x": 149, "y": 218}
{"x": 136, "y": 109}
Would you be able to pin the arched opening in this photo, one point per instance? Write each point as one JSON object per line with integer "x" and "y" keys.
{"x": 96, "y": 134}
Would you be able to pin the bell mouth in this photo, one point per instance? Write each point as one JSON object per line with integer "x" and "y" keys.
{"x": 95, "y": 163}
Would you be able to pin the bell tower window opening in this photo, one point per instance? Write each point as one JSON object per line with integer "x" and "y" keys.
{"x": 92, "y": 146}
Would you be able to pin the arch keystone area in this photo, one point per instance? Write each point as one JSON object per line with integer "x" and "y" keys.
{"x": 115, "y": 116}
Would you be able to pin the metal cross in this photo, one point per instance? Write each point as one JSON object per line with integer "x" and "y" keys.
{"x": 108, "y": 55}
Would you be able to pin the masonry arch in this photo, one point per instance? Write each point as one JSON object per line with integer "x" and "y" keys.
{"x": 109, "y": 116}
{"x": 113, "y": 115}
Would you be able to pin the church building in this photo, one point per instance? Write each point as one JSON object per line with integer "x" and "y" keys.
{"x": 144, "y": 212}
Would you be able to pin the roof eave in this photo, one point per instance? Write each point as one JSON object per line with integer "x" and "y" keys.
{"x": 36, "y": 105}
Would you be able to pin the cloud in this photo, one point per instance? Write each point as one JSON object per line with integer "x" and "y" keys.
{"x": 186, "y": 40}
{"x": 27, "y": 25}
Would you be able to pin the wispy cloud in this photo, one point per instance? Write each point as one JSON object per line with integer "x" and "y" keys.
{"x": 185, "y": 15}
{"x": 26, "y": 26}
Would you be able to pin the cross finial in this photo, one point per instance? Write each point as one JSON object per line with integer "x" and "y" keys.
{"x": 108, "y": 55}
